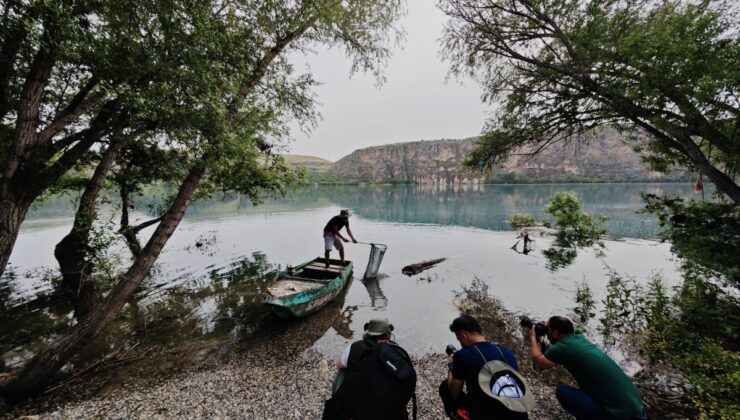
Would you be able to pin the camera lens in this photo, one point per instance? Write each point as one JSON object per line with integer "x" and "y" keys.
{"x": 540, "y": 329}
{"x": 525, "y": 322}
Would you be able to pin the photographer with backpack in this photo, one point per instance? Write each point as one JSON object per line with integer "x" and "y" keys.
{"x": 489, "y": 373}
{"x": 375, "y": 379}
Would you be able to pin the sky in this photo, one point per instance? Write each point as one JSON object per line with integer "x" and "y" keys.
{"x": 415, "y": 103}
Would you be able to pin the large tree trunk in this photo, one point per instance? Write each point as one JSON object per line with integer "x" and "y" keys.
{"x": 12, "y": 212}
{"x": 132, "y": 241}
{"x": 42, "y": 368}
{"x": 73, "y": 252}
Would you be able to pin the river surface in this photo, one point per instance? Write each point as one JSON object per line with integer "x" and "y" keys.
{"x": 210, "y": 278}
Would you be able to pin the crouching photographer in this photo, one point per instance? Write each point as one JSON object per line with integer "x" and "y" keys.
{"x": 488, "y": 372}
{"x": 604, "y": 390}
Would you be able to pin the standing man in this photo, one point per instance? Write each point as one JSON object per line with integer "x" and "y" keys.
{"x": 464, "y": 368}
{"x": 332, "y": 235}
{"x": 604, "y": 390}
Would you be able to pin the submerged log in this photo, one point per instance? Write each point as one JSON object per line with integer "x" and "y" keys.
{"x": 417, "y": 268}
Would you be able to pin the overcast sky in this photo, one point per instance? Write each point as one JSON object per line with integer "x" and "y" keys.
{"x": 414, "y": 104}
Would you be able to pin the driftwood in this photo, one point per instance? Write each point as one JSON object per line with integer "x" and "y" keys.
{"x": 417, "y": 268}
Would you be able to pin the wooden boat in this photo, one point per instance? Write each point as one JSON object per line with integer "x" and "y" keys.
{"x": 304, "y": 289}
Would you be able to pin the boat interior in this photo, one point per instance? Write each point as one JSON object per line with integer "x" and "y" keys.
{"x": 310, "y": 276}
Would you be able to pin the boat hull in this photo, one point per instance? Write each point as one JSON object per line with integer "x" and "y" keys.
{"x": 306, "y": 302}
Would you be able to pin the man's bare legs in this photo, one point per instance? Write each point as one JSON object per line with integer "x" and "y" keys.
{"x": 326, "y": 258}
{"x": 341, "y": 254}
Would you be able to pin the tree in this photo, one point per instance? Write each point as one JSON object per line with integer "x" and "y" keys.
{"x": 220, "y": 112}
{"x": 707, "y": 234}
{"x": 76, "y": 76}
{"x": 666, "y": 72}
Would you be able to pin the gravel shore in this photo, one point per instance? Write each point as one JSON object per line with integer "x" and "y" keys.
{"x": 253, "y": 388}
{"x": 276, "y": 376}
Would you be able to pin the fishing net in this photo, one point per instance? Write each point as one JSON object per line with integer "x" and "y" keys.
{"x": 376, "y": 257}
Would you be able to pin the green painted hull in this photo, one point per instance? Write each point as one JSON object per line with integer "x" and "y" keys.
{"x": 305, "y": 302}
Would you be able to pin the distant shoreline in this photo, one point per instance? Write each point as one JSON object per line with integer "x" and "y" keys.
{"x": 684, "y": 181}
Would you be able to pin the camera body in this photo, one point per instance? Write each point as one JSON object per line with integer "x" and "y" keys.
{"x": 450, "y": 349}
{"x": 540, "y": 328}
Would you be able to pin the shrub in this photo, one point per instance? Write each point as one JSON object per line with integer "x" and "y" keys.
{"x": 694, "y": 330}
{"x": 565, "y": 208}
{"x": 519, "y": 220}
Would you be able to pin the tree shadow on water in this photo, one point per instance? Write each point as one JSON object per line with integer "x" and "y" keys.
{"x": 565, "y": 248}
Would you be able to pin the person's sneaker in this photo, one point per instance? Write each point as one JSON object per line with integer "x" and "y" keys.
{"x": 458, "y": 414}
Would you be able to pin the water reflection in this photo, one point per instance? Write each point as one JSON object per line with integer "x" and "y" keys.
{"x": 475, "y": 205}
{"x": 565, "y": 247}
{"x": 287, "y": 339}
{"x": 527, "y": 243}
{"x": 211, "y": 290}
{"x": 377, "y": 298}
{"x": 224, "y": 302}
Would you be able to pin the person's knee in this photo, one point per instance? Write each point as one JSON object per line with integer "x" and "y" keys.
{"x": 560, "y": 391}
{"x": 443, "y": 390}
{"x": 564, "y": 393}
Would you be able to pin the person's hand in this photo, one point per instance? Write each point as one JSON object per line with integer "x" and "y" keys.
{"x": 345, "y": 239}
{"x": 354, "y": 240}
{"x": 532, "y": 334}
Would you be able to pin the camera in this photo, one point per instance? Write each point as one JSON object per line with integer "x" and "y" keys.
{"x": 450, "y": 349}
{"x": 540, "y": 329}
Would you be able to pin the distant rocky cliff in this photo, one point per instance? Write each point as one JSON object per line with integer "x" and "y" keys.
{"x": 421, "y": 162}
{"x": 606, "y": 157}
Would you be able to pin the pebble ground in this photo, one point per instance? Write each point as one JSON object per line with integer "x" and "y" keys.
{"x": 278, "y": 376}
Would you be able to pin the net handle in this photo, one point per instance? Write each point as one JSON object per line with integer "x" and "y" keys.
{"x": 371, "y": 243}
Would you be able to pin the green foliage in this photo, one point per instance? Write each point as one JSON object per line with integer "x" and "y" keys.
{"x": 519, "y": 220}
{"x": 106, "y": 260}
{"x": 585, "y": 303}
{"x": 329, "y": 178}
{"x": 705, "y": 233}
{"x": 565, "y": 208}
{"x": 560, "y": 256}
{"x": 700, "y": 338}
{"x": 694, "y": 330}
{"x": 665, "y": 73}
{"x": 576, "y": 229}
{"x": 623, "y": 307}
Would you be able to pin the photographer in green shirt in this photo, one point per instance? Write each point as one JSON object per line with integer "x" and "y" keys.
{"x": 604, "y": 390}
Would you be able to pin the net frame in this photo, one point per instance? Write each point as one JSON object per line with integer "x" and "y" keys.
{"x": 377, "y": 251}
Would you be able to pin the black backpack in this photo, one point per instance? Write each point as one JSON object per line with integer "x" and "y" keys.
{"x": 378, "y": 387}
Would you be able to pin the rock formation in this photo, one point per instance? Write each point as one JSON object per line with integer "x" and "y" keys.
{"x": 604, "y": 156}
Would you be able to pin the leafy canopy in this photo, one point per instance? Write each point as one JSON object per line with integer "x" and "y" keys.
{"x": 666, "y": 73}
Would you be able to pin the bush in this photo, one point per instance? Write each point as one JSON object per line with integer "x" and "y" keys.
{"x": 521, "y": 220}
{"x": 565, "y": 208}
{"x": 695, "y": 331}
{"x": 703, "y": 232}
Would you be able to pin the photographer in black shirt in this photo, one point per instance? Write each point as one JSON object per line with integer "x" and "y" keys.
{"x": 464, "y": 366}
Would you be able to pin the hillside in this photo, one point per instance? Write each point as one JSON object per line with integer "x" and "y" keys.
{"x": 605, "y": 158}
{"x": 311, "y": 163}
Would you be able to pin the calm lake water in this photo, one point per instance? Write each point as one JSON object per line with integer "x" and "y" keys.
{"x": 210, "y": 278}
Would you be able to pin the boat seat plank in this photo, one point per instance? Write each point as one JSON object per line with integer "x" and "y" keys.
{"x": 322, "y": 267}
